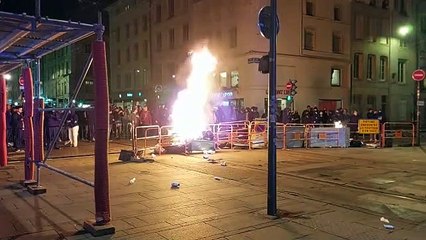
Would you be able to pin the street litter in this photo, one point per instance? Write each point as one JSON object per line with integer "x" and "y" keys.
{"x": 212, "y": 161}
{"x": 218, "y": 178}
{"x": 223, "y": 164}
{"x": 206, "y": 156}
{"x": 372, "y": 145}
{"x": 384, "y": 220}
{"x": 388, "y": 226}
{"x": 175, "y": 185}
{"x": 132, "y": 181}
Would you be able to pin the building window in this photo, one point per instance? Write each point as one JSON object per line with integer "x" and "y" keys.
{"x": 402, "y": 43}
{"x": 118, "y": 84}
{"x": 171, "y": 8}
{"x": 159, "y": 42}
{"x": 128, "y": 80}
{"x": 383, "y": 68}
{"x": 128, "y": 54}
{"x": 185, "y": 32}
{"x": 145, "y": 23}
{"x": 402, "y": 69}
{"x": 118, "y": 57}
{"x": 336, "y": 77}
{"x": 185, "y": 4}
{"x": 233, "y": 37}
{"x": 136, "y": 50}
{"x": 145, "y": 48}
{"x": 371, "y": 101}
{"x": 357, "y": 65}
{"x": 235, "y": 79}
{"x": 385, "y": 4}
{"x": 357, "y": 100}
{"x": 337, "y": 13}
{"x": 423, "y": 24}
{"x": 172, "y": 38}
{"x": 359, "y": 27}
{"x": 136, "y": 26}
{"x": 371, "y": 63}
{"x": 128, "y": 30}
{"x": 223, "y": 79}
{"x": 118, "y": 34}
{"x": 309, "y": 39}
{"x": 310, "y": 7}
{"x": 337, "y": 43}
{"x": 158, "y": 13}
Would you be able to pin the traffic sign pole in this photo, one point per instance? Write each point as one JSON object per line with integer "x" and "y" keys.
{"x": 272, "y": 121}
{"x": 418, "y": 76}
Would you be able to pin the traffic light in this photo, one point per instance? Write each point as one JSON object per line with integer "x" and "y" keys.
{"x": 264, "y": 64}
{"x": 289, "y": 98}
{"x": 293, "y": 87}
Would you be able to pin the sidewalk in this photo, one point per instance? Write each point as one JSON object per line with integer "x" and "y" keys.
{"x": 203, "y": 208}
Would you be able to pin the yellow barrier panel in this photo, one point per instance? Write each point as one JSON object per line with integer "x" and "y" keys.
{"x": 368, "y": 126}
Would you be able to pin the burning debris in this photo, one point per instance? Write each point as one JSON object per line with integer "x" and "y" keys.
{"x": 191, "y": 111}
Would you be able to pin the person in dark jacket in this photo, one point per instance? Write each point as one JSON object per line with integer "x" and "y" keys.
{"x": 9, "y": 126}
{"x": 353, "y": 124}
{"x": 295, "y": 117}
{"x": 73, "y": 127}
{"x": 18, "y": 125}
{"x": 53, "y": 122}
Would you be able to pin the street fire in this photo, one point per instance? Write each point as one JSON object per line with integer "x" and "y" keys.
{"x": 191, "y": 110}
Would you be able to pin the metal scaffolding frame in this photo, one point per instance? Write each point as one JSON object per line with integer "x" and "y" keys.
{"x": 25, "y": 39}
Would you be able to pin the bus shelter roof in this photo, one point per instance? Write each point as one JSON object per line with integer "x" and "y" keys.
{"x": 25, "y": 38}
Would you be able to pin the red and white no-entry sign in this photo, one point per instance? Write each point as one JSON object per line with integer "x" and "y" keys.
{"x": 21, "y": 80}
{"x": 418, "y": 75}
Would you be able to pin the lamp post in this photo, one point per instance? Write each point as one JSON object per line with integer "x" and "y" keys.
{"x": 403, "y": 31}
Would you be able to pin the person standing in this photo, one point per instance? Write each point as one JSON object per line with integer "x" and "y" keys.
{"x": 9, "y": 133}
{"x": 18, "y": 124}
{"x": 72, "y": 124}
{"x": 53, "y": 122}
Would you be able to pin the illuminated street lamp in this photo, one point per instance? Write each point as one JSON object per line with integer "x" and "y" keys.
{"x": 7, "y": 76}
{"x": 404, "y": 30}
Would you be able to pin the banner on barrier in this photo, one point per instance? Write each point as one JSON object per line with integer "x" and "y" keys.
{"x": 368, "y": 126}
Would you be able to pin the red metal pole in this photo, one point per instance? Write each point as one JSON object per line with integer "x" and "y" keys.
{"x": 28, "y": 123}
{"x": 3, "y": 133}
{"x": 102, "y": 205}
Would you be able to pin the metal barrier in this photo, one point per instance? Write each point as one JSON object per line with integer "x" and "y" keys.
{"x": 258, "y": 136}
{"x": 365, "y": 138}
{"x": 152, "y": 132}
{"x": 326, "y": 135}
{"x": 294, "y": 135}
{"x": 398, "y": 132}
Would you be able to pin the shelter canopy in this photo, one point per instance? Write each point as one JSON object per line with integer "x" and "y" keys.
{"x": 24, "y": 37}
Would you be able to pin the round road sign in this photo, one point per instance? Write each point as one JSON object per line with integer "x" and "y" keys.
{"x": 418, "y": 75}
{"x": 288, "y": 86}
{"x": 264, "y": 22}
{"x": 21, "y": 80}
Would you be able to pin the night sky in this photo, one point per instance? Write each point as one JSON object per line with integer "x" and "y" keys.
{"x": 76, "y": 10}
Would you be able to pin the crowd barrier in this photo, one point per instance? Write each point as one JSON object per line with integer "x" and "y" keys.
{"x": 253, "y": 135}
{"x": 398, "y": 133}
{"x": 149, "y": 136}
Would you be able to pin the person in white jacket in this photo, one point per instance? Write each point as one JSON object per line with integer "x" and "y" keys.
{"x": 72, "y": 124}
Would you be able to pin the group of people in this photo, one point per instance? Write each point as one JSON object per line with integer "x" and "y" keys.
{"x": 122, "y": 119}
{"x": 313, "y": 115}
{"x": 16, "y": 126}
{"x": 80, "y": 125}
